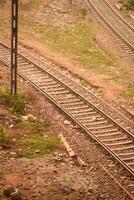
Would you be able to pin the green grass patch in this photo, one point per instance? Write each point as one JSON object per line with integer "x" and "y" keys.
{"x": 39, "y": 146}
{"x": 15, "y": 102}
{"x": 82, "y": 12}
{"x": 77, "y": 41}
{"x": 129, "y": 92}
{"x": 83, "y": 82}
{"x": 2, "y": 172}
{"x": 34, "y": 125}
{"x": 4, "y": 137}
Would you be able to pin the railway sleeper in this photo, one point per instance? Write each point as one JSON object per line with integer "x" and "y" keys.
{"x": 82, "y": 110}
{"x": 58, "y": 93}
{"x": 115, "y": 139}
{"x": 4, "y": 54}
{"x": 51, "y": 84}
{"x": 105, "y": 135}
{"x": 126, "y": 154}
{"x": 5, "y": 58}
{"x": 128, "y": 159}
{"x": 106, "y": 131}
{"x": 91, "y": 114}
{"x": 91, "y": 119}
{"x": 68, "y": 97}
{"x": 48, "y": 87}
{"x": 76, "y": 107}
{"x": 123, "y": 148}
{"x": 55, "y": 89}
{"x": 4, "y": 50}
{"x": 36, "y": 76}
{"x": 97, "y": 122}
{"x": 30, "y": 71}
{"x": 43, "y": 81}
{"x": 25, "y": 65}
{"x": 72, "y": 102}
{"x": 119, "y": 143}
{"x": 131, "y": 164}
{"x": 98, "y": 127}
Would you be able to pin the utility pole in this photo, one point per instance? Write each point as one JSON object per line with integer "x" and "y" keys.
{"x": 14, "y": 45}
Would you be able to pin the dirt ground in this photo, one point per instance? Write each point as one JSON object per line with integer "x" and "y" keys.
{"x": 57, "y": 15}
{"x": 125, "y": 14}
{"x": 55, "y": 176}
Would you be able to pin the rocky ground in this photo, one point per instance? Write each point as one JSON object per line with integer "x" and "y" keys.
{"x": 52, "y": 176}
{"x": 41, "y": 32}
{"x": 127, "y": 14}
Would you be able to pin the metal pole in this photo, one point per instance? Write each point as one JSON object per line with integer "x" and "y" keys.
{"x": 14, "y": 41}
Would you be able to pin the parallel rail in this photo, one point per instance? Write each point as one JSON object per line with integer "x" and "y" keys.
{"x": 114, "y": 138}
{"x": 119, "y": 26}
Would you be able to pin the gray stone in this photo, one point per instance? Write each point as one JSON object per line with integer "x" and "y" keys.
{"x": 8, "y": 190}
{"x": 15, "y": 195}
{"x": 66, "y": 122}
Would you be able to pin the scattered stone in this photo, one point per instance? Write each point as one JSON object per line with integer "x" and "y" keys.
{"x": 67, "y": 146}
{"x": 132, "y": 16}
{"x": 27, "y": 117}
{"x": 118, "y": 6}
{"x": 15, "y": 195}
{"x": 8, "y": 190}
{"x": 19, "y": 149}
{"x": 66, "y": 122}
{"x": 30, "y": 116}
{"x": 94, "y": 119}
{"x": 11, "y": 126}
{"x": 99, "y": 198}
{"x": 13, "y": 153}
{"x": 81, "y": 162}
{"x": 37, "y": 151}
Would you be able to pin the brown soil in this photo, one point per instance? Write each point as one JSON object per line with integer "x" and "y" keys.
{"x": 74, "y": 67}
{"x": 56, "y": 176}
{"x": 110, "y": 89}
{"x": 128, "y": 18}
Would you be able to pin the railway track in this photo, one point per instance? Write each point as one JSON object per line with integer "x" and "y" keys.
{"x": 119, "y": 26}
{"x": 98, "y": 125}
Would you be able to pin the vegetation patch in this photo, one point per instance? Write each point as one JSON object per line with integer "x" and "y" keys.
{"x": 34, "y": 125}
{"x": 4, "y": 138}
{"x": 2, "y": 172}
{"x": 82, "y": 12}
{"x": 15, "y": 102}
{"x": 128, "y": 4}
{"x": 39, "y": 146}
{"x": 129, "y": 92}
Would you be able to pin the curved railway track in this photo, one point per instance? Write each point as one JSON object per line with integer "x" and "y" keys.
{"x": 98, "y": 125}
{"x": 119, "y": 26}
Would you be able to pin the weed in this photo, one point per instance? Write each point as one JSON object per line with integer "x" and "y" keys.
{"x": 33, "y": 125}
{"x": 129, "y": 92}
{"x": 2, "y": 172}
{"x": 82, "y": 12}
{"x": 83, "y": 82}
{"x": 43, "y": 145}
{"x": 4, "y": 137}
{"x": 15, "y": 102}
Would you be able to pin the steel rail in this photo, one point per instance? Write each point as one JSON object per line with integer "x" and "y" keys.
{"x": 115, "y": 31}
{"x": 119, "y": 16}
{"x": 87, "y": 131}
{"x": 80, "y": 86}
